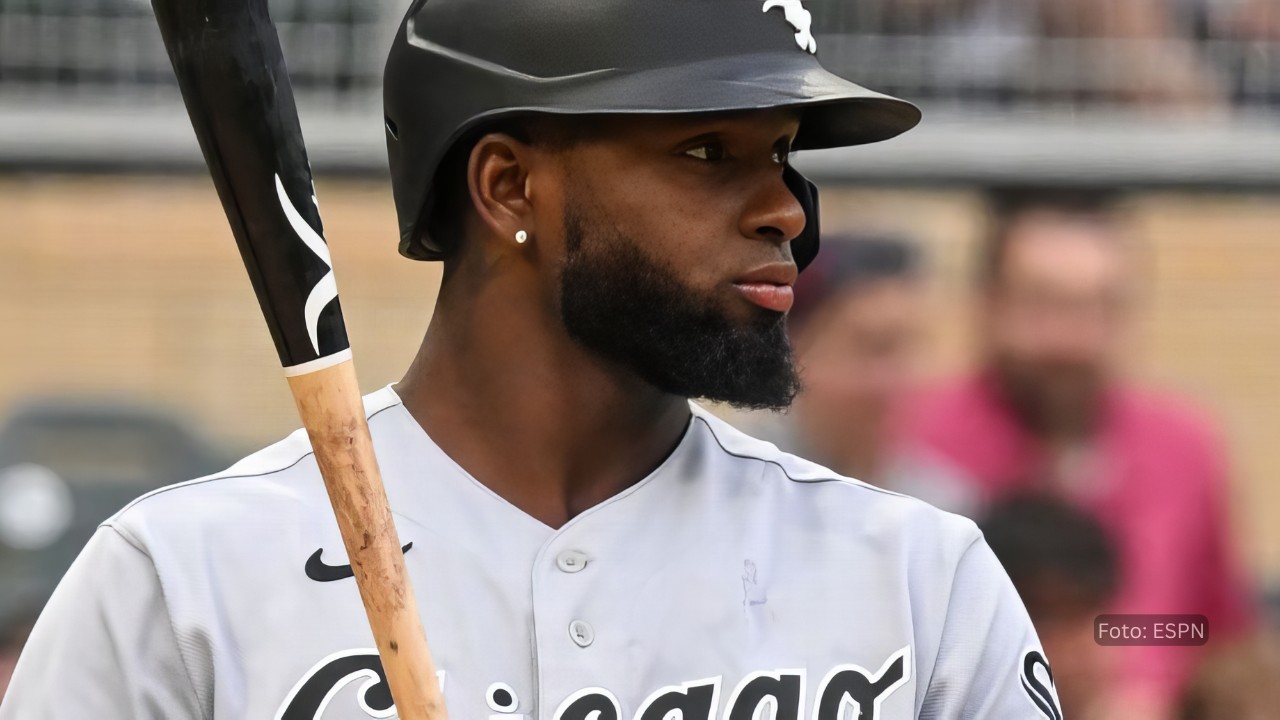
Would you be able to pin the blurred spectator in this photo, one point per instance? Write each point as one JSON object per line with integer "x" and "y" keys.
{"x": 1152, "y": 61}
{"x": 1237, "y": 683}
{"x": 1243, "y": 19}
{"x": 1080, "y": 51}
{"x": 1249, "y": 59}
{"x": 855, "y": 330}
{"x": 1062, "y": 563}
{"x": 65, "y": 466}
{"x": 1049, "y": 410}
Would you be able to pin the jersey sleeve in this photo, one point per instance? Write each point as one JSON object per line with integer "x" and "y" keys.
{"x": 990, "y": 664}
{"x": 104, "y": 647}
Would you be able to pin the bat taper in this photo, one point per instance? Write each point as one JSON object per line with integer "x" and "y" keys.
{"x": 232, "y": 75}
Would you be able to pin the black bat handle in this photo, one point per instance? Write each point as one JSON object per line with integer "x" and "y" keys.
{"x": 232, "y": 74}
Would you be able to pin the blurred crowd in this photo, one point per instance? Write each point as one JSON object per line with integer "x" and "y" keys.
{"x": 1167, "y": 53}
{"x": 1190, "y": 54}
{"x": 1100, "y": 495}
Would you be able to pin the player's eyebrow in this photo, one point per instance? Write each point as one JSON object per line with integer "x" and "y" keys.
{"x": 783, "y": 142}
{"x": 714, "y": 135}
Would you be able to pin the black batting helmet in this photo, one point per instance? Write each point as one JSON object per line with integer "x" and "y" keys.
{"x": 457, "y": 65}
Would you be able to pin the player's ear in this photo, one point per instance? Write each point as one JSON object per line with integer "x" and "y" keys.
{"x": 497, "y": 177}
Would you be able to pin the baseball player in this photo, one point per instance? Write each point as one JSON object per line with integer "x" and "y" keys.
{"x": 608, "y": 186}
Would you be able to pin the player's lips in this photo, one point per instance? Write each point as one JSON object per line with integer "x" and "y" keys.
{"x": 770, "y": 286}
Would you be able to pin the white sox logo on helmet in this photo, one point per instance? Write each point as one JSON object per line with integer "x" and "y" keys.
{"x": 799, "y": 18}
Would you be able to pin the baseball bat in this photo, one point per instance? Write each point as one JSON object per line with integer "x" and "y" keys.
{"x": 231, "y": 72}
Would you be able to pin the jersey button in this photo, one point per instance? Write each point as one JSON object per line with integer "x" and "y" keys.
{"x": 581, "y": 633}
{"x": 571, "y": 561}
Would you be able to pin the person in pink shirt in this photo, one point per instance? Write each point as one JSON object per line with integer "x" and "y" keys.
{"x": 1050, "y": 411}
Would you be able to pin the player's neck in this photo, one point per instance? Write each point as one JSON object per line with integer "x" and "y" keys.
{"x": 532, "y": 415}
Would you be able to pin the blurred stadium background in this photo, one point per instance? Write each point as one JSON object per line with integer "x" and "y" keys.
{"x": 121, "y": 293}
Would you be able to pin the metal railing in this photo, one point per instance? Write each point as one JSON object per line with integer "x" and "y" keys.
{"x": 59, "y": 49}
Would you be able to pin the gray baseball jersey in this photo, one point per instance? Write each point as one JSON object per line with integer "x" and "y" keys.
{"x": 735, "y": 582}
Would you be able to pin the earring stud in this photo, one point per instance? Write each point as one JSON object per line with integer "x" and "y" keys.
{"x": 522, "y": 237}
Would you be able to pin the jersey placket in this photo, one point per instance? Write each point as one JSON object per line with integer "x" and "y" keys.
{"x": 578, "y": 580}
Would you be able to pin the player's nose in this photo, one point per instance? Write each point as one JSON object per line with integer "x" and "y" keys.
{"x": 774, "y": 213}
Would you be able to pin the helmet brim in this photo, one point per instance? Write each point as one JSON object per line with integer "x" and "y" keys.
{"x": 837, "y": 112}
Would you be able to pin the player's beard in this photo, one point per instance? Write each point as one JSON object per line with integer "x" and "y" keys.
{"x": 635, "y": 312}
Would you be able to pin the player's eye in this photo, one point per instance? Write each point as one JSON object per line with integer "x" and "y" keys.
{"x": 708, "y": 151}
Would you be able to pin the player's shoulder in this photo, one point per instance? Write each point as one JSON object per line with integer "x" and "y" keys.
{"x": 279, "y": 482}
{"x": 794, "y": 484}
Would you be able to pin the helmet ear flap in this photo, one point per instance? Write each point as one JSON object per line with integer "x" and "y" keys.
{"x": 805, "y": 247}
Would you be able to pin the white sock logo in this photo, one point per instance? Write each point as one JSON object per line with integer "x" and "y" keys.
{"x": 799, "y": 18}
{"x": 325, "y": 291}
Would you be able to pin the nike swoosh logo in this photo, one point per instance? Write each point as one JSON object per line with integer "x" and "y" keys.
{"x": 320, "y": 572}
